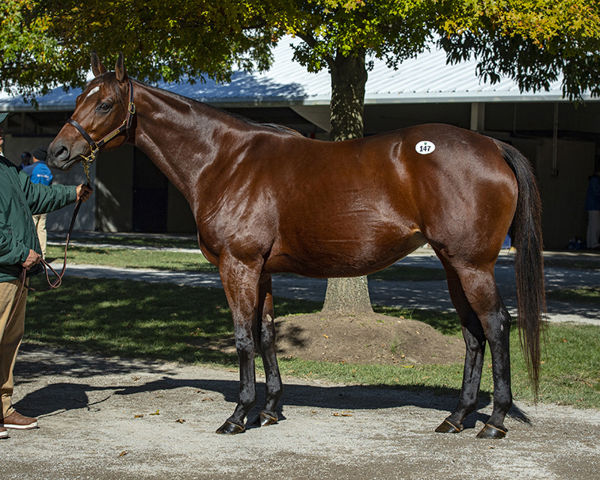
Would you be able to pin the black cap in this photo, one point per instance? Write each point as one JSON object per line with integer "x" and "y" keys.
{"x": 40, "y": 153}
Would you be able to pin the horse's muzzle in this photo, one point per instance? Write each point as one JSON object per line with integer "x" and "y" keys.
{"x": 59, "y": 156}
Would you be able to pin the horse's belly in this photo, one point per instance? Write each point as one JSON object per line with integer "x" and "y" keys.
{"x": 343, "y": 256}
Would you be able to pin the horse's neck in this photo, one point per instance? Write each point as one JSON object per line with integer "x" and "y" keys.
{"x": 179, "y": 135}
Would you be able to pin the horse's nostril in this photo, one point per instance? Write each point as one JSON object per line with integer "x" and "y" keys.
{"x": 61, "y": 153}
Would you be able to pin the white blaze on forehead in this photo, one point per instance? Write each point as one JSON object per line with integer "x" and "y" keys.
{"x": 92, "y": 91}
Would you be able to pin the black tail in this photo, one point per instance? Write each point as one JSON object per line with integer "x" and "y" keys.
{"x": 526, "y": 232}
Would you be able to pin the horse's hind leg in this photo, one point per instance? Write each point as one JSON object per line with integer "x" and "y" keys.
{"x": 475, "y": 348}
{"x": 480, "y": 289}
{"x": 268, "y": 415}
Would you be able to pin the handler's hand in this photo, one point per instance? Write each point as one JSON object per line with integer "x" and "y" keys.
{"x": 83, "y": 192}
{"x": 32, "y": 259}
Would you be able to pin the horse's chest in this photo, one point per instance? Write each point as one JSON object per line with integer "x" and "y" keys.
{"x": 244, "y": 232}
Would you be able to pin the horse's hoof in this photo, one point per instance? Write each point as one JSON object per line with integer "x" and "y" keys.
{"x": 448, "y": 427}
{"x": 489, "y": 431}
{"x": 267, "y": 419}
{"x": 230, "y": 428}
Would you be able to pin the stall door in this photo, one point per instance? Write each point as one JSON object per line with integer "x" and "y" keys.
{"x": 150, "y": 196}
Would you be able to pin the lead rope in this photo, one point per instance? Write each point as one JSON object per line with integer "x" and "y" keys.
{"x": 59, "y": 276}
{"x": 47, "y": 267}
{"x": 86, "y": 161}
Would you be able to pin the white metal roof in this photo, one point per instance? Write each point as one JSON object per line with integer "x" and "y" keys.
{"x": 424, "y": 79}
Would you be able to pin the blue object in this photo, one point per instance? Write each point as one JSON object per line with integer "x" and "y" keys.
{"x": 28, "y": 169}
{"x": 41, "y": 174}
{"x": 592, "y": 196}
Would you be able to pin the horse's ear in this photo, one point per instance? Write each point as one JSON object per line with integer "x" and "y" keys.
{"x": 120, "y": 69}
{"x": 97, "y": 67}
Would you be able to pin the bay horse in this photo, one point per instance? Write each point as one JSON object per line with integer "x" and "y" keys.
{"x": 268, "y": 200}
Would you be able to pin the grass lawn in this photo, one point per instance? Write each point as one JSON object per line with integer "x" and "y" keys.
{"x": 184, "y": 261}
{"x": 589, "y": 263}
{"x": 186, "y": 324}
{"x": 154, "y": 241}
{"x": 130, "y": 258}
{"x": 588, "y": 295}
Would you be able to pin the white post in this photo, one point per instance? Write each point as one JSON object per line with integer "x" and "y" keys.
{"x": 478, "y": 116}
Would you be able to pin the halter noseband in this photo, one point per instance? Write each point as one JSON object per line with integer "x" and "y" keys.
{"x": 96, "y": 146}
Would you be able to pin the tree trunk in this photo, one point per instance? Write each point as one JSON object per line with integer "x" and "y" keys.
{"x": 348, "y": 79}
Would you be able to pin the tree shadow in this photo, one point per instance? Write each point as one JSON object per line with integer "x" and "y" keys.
{"x": 60, "y": 396}
{"x": 41, "y": 361}
{"x": 56, "y": 398}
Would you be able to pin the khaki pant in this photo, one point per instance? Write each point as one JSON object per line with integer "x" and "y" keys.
{"x": 40, "y": 227}
{"x": 11, "y": 334}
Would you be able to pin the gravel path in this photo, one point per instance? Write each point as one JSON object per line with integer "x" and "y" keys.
{"x": 113, "y": 418}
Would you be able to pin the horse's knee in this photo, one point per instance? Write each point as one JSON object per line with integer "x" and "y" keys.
{"x": 244, "y": 344}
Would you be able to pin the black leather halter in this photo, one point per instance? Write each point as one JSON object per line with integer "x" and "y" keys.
{"x": 96, "y": 146}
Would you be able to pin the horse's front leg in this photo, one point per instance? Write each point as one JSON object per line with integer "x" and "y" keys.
{"x": 240, "y": 281}
{"x": 274, "y": 387}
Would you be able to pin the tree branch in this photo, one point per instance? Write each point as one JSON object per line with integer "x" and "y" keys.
{"x": 312, "y": 42}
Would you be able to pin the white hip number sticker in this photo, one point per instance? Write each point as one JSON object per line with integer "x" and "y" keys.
{"x": 425, "y": 147}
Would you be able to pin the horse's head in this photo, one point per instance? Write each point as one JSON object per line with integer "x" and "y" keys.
{"x": 103, "y": 112}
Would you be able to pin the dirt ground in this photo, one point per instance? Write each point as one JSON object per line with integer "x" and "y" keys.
{"x": 375, "y": 338}
{"x": 114, "y": 418}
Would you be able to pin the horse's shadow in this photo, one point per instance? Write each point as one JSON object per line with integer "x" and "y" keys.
{"x": 57, "y": 397}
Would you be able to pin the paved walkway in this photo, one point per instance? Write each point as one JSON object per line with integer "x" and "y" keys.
{"x": 411, "y": 294}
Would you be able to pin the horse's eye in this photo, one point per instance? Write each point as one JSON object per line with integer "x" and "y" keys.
{"x": 103, "y": 107}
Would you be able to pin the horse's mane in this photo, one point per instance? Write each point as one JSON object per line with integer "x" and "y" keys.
{"x": 273, "y": 126}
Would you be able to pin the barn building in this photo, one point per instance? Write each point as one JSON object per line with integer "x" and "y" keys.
{"x": 561, "y": 139}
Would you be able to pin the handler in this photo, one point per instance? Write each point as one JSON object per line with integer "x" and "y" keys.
{"x": 20, "y": 249}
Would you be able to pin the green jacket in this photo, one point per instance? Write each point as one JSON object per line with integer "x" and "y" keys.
{"x": 19, "y": 200}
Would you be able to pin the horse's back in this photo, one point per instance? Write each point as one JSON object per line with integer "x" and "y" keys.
{"x": 358, "y": 206}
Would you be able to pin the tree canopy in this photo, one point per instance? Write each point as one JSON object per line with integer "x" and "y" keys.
{"x": 532, "y": 41}
{"x": 390, "y": 29}
{"x": 44, "y": 43}
{"x": 27, "y": 51}
{"x": 47, "y": 42}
